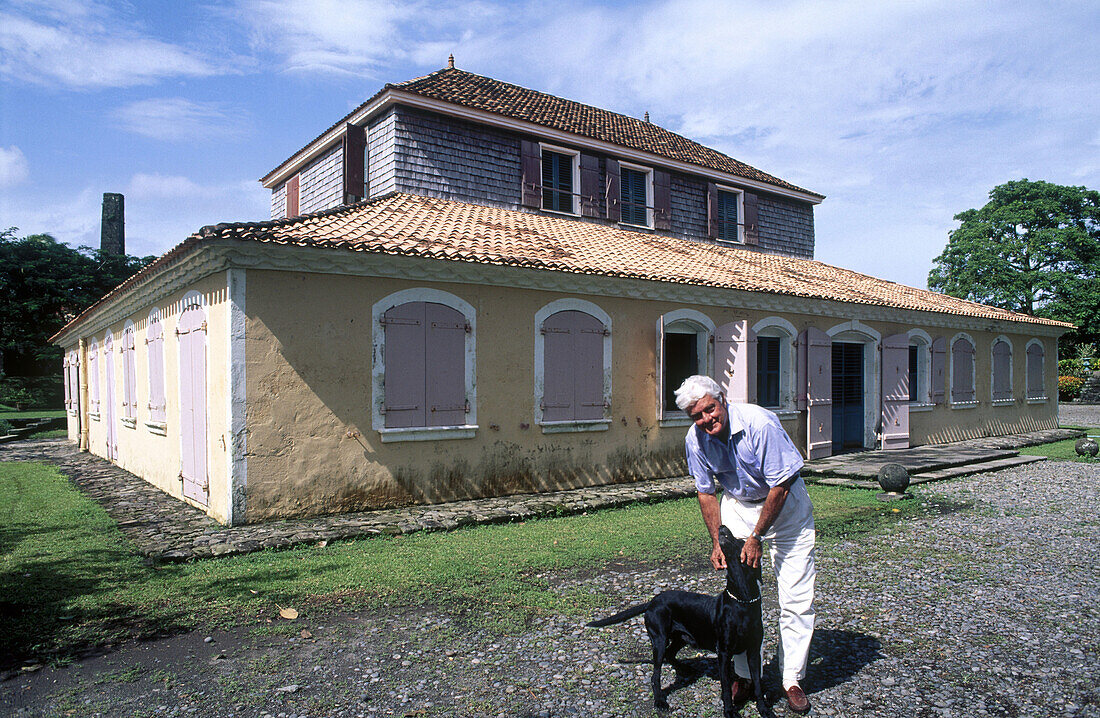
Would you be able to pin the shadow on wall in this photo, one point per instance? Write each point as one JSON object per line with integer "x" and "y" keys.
{"x": 993, "y": 427}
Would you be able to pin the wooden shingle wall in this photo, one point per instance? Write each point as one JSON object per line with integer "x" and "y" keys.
{"x": 786, "y": 228}
{"x": 381, "y": 177}
{"x": 688, "y": 197}
{"x": 441, "y": 157}
{"x": 278, "y": 202}
{"x": 322, "y": 182}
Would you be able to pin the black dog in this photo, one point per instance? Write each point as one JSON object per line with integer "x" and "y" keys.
{"x": 728, "y": 624}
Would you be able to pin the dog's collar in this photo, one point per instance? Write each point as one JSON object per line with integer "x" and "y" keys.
{"x": 740, "y": 600}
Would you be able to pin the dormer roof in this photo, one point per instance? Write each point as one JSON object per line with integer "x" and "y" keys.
{"x": 460, "y": 89}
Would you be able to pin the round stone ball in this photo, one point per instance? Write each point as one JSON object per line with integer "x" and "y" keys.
{"x": 1086, "y": 447}
{"x": 893, "y": 478}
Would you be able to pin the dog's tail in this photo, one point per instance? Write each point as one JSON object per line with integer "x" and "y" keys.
{"x": 620, "y": 616}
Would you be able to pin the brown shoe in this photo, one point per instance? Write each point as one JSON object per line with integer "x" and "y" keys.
{"x": 797, "y": 700}
{"x": 742, "y": 691}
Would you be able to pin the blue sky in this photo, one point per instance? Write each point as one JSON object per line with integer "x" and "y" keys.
{"x": 902, "y": 113}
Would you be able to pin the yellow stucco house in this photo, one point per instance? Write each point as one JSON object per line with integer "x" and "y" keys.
{"x": 470, "y": 288}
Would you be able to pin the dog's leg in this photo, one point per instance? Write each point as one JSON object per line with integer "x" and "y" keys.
{"x": 660, "y": 645}
{"x": 755, "y": 670}
{"x": 726, "y": 676}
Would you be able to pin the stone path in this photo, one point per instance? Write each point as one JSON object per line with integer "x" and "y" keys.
{"x": 165, "y": 529}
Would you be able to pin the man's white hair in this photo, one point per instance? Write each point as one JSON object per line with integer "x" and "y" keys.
{"x": 695, "y": 388}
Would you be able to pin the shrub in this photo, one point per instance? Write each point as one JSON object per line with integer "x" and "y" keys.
{"x": 1072, "y": 368}
{"x": 5, "y": 427}
{"x": 1069, "y": 387}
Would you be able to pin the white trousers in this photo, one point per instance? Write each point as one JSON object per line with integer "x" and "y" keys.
{"x": 791, "y": 547}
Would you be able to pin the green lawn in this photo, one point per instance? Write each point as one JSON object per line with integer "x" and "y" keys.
{"x": 1062, "y": 450}
{"x": 9, "y": 413}
{"x": 70, "y": 580}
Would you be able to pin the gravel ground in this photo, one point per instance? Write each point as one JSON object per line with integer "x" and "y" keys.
{"x": 984, "y": 605}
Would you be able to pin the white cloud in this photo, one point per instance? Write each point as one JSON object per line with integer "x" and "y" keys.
{"x": 83, "y": 45}
{"x": 13, "y": 166}
{"x": 177, "y": 119}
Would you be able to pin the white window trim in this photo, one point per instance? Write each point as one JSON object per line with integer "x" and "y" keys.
{"x": 951, "y": 373}
{"x": 648, "y": 172}
{"x": 780, "y": 328}
{"x": 564, "y": 305}
{"x": 857, "y": 332}
{"x": 923, "y": 341}
{"x": 378, "y": 367}
{"x": 576, "y": 162}
{"x": 993, "y": 372}
{"x": 704, "y": 337}
{"x": 1043, "y": 374}
{"x": 740, "y": 217}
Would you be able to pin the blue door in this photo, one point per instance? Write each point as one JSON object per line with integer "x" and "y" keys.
{"x": 847, "y": 396}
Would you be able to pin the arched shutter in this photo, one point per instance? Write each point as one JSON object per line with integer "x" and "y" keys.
{"x": 1002, "y": 371}
{"x": 406, "y": 340}
{"x": 1035, "y": 389}
{"x": 735, "y": 361}
{"x": 962, "y": 371}
{"x": 445, "y": 363}
{"x": 938, "y": 380}
{"x": 895, "y": 392}
{"x": 819, "y": 393}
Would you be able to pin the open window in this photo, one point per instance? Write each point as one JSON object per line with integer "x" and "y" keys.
{"x": 920, "y": 370}
{"x": 775, "y": 363}
{"x": 683, "y": 349}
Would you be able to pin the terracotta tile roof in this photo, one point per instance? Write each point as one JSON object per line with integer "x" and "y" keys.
{"x": 485, "y": 93}
{"x": 508, "y": 100}
{"x": 419, "y": 226}
{"x": 412, "y": 225}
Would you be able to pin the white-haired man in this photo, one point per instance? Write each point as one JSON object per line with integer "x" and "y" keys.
{"x": 744, "y": 449}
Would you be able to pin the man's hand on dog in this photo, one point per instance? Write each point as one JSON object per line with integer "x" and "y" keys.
{"x": 750, "y": 555}
{"x": 751, "y": 552}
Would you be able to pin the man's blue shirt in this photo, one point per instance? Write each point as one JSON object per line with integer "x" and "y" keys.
{"x": 757, "y": 456}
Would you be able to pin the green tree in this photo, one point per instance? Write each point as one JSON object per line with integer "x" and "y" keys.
{"x": 43, "y": 285}
{"x": 1033, "y": 248}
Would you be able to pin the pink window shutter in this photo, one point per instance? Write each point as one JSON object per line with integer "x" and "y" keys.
{"x": 588, "y": 396}
{"x": 68, "y": 386}
{"x": 962, "y": 372}
{"x": 1002, "y": 371}
{"x": 939, "y": 370}
{"x": 819, "y": 393}
{"x": 405, "y": 353}
{"x": 895, "y": 392}
{"x": 1035, "y": 389}
{"x": 559, "y": 369}
{"x": 157, "y": 409}
{"x": 735, "y": 361}
{"x": 93, "y": 378}
{"x": 129, "y": 375}
{"x": 193, "y": 420}
{"x": 109, "y": 396}
{"x": 445, "y": 363}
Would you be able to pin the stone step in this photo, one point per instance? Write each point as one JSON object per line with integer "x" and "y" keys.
{"x": 977, "y": 468}
{"x": 934, "y": 475}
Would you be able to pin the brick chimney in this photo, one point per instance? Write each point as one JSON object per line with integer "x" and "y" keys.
{"x": 112, "y": 233}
